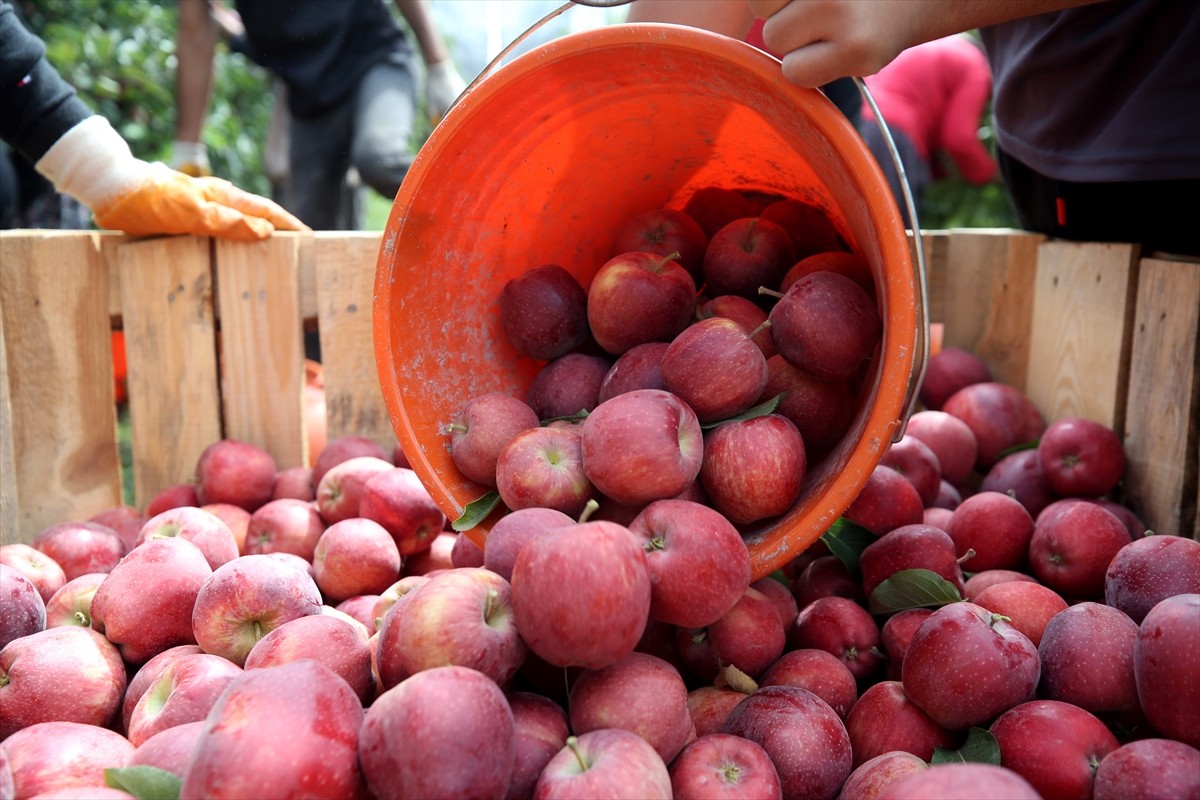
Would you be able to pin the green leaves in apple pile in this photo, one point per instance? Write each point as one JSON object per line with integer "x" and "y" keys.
{"x": 476, "y": 511}
{"x": 912, "y": 588}
{"x": 144, "y": 783}
{"x": 1016, "y": 448}
{"x": 980, "y": 747}
{"x": 578, "y": 416}
{"x": 847, "y": 540}
{"x": 760, "y": 410}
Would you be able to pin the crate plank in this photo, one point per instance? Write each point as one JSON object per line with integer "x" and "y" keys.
{"x": 1162, "y": 421}
{"x": 170, "y": 346}
{"x": 60, "y": 411}
{"x": 345, "y": 270}
{"x": 1081, "y": 331}
{"x": 988, "y": 305}
{"x": 935, "y": 244}
{"x": 262, "y": 345}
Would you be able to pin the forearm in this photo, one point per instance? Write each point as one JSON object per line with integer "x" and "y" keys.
{"x": 416, "y": 14}
{"x": 730, "y": 17}
{"x": 194, "y": 50}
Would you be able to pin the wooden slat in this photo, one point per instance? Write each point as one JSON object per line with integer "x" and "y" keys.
{"x": 1081, "y": 331}
{"x": 988, "y": 292}
{"x": 58, "y": 388}
{"x": 1162, "y": 422}
{"x": 936, "y": 246}
{"x": 8, "y": 460}
{"x": 262, "y": 345}
{"x": 345, "y": 269}
{"x": 170, "y": 344}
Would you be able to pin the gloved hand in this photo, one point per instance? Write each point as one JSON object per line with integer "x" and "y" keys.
{"x": 190, "y": 158}
{"x": 444, "y": 85}
{"x": 93, "y": 164}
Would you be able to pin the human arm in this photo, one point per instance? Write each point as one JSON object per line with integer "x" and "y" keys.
{"x": 444, "y": 84}
{"x": 195, "y": 46}
{"x": 826, "y": 39}
{"x": 730, "y": 17}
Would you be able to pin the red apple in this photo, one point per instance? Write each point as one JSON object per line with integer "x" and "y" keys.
{"x": 753, "y": 469}
{"x": 436, "y": 558}
{"x": 1055, "y": 746}
{"x": 819, "y": 671}
{"x": 916, "y": 461}
{"x": 286, "y": 525}
{"x": 639, "y": 297}
{"x": 1073, "y": 543}
{"x": 173, "y": 496}
{"x": 1149, "y": 768}
{"x": 246, "y": 599}
{"x": 480, "y": 430}
{"x": 605, "y": 763}
{"x": 169, "y": 749}
{"x": 1150, "y": 570}
{"x": 951, "y": 440}
{"x": 540, "y": 729}
{"x": 1020, "y": 475}
{"x": 81, "y": 547}
{"x": 663, "y": 231}
{"x": 24, "y": 608}
{"x": 949, "y": 370}
{"x": 804, "y": 737}
{"x": 568, "y": 385}
{"x": 396, "y": 499}
{"x": 750, "y": 636}
{"x": 1081, "y": 457}
{"x": 464, "y": 551}
{"x": 714, "y": 207}
{"x": 1086, "y": 652}
{"x": 885, "y": 720}
{"x": 746, "y": 313}
{"x": 910, "y": 547}
{"x": 699, "y": 564}
{"x": 342, "y": 487}
{"x": 887, "y": 501}
{"x": 640, "y": 693}
{"x": 896, "y": 634}
{"x": 69, "y": 674}
{"x": 283, "y": 731}
{"x": 642, "y": 446}
{"x": 710, "y": 707}
{"x": 870, "y": 779}
{"x": 543, "y": 468}
{"x": 184, "y": 691}
{"x": 745, "y": 254}
{"x": 965, "y": 666}
{"x": 948, "y": 498}
{"x": 202, "y": 528}
{"x": 821, "y": 410}
{"x": 72, "y": 603}
{"x": 808, "y": 225}
{"x": 439, "y": 714}
{"x": 955, "y": 781}
{"x": 361, "y": 608}
{"x": 716, "y": 368}
{"x": 581, "y": 594}
{"x": 295, "y": 483}
{"x": 355, "y": 556}
{"x": 639, "y": 367}
{"x": 826, "y": 325}
{"x": 40, "y": 569}
{"x": 824, "y": 577}
{"x": 145, "y": 605}
{"x": 852, "y": 265}
{"x": 51, "y": 757}
{"x": 996, "y": 527}
{"x": 345, "y": 447}
{"x": 235, "y": 472}
{"x": 510, "y": 533}
{"x": 843, "y": 628}
{"x": 990, "y": 577}
{"x": 1137, "y": 528}
{"x": 1166, "y": 660}
{"x": 142, "y": 677}
{"x": 327, "y": 639}
{"x": 724, "y": 767}
{"x": 237, "y": 518}
{"x": 1001, "y": 417}
{"x": 779, "y": 592}
{"x": 544, "y": 312}
{"x": 1028, "y": 605}
{"x": 125, "y": 520}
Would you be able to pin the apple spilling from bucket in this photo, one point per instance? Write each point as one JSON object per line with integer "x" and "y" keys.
{"x": 984, "y": 620}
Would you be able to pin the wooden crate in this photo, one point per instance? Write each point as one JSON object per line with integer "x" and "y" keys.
{"x": 214, "y": 338}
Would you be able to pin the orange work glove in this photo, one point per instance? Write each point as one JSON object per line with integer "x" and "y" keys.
{"x": 93, "y": 164}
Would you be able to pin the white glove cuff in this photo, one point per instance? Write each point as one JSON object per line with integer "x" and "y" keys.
{"x": 92, "y": 163}
{"x": 189, "y": 153}
{"x": 442, "y": 69}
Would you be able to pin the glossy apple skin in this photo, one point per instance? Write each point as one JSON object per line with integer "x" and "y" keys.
{"x": 887, "y": 501}
{"x": 639, "y": 297}
{"x": 235, "y": 472}
{"x": 24, "y": 608}
{"x": 1073, "y": 543}
{"x": 885, "y": 720}
{"x": 1029, "y": 605}
{"x": 997, "y": 527}
{"x": 353, "y": 557}
{"x": 1149, "y": 570}
{"x": 619, "y": 764}
{"x": 1166, "y": 659}
{"x": 81, "y": 547}
{"x": 949, "y": 370}
{"x": 327, "y": 639}
{"x": 716, "y": 368}
{"x": 397, "y": 500}
{"x": 819, "y": 671}
{"x": 843, "y": 628}
{"x": 202, "y": 528}
{"x": 639, "y": 367}
{"x": 439, "y": 714}
{"x": 663, "y": 231}
{"x": 567, "y": 385}
{"x": 750, "y": 637}
{"x": 956, "y": 781}
{"x": 1001, "y": 416}
{"x": 544, "y": 312}
{"x": 1087, "y": 658}
{"x": 950, "y": 439}
{"x": 50, "y": 757}
{"x": 184, "y": 691}
{"x": 540, "y": 729}
{"x": 1081, "y": 457}
{"x": 753, "y": 469}
{"x": 1149, "y": 768}
{"x": 481, "y": 428}
{"x": 543, "y": 468}
{"x": 826, "y": 325}
{"x": 725, "y": 766}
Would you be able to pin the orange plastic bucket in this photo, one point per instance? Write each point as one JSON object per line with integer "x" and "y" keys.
{"x": 542, "y": 162}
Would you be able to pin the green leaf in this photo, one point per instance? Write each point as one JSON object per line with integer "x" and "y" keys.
{"x": 847, "y": 540}
{"x": 912, "y": 588}
{"x": 476, "y": 511}
{"x": 1016, "y": 448}
{"x": 760, "y": 410}
{"x": 578, "y": 416}
{"x": 980, "y": 747}
{"x": 144, "y": 783}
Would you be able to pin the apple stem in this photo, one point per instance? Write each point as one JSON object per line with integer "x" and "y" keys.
{"x": 489, "y": 606}
{"x": 766, "y": 325}
{"x": 967, "y": 556}
{"x": 573, "y": 743}
{"x": 3, "y": 680}
{"x": 667, "y": 259}
{"x": 454, "y": 426}
{"x": 588, "y": 510}
{"x": 83, "y": 620}
{"x": 655, "y": 543}
{"x": 999, "y": 618}
{"x": 771, "y": 292}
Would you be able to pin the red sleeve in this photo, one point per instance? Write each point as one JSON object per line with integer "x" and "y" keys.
{"x": 959, "y": 134}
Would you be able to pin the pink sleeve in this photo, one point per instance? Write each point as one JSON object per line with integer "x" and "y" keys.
{"x": 960, "y": 124}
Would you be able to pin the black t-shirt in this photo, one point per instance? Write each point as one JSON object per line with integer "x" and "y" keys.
{"x": 320, "y": 48}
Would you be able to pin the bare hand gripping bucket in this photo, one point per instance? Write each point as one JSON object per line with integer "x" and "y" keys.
{"x": 544, "y": 159}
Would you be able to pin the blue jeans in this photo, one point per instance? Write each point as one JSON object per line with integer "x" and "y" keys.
{"x": 371, "y": 132}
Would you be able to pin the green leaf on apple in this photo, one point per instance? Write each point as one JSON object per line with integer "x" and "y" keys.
{"x": 913, "y": 588}
{"x": 1016, "y": 448}
{"x": 578, "y": 416}
{"x": 476, "y": 511}
{"x": 847, "y": 540}
{"x": 760, "y": 410}
{"x": 980, "y": 747}
{"x": 144, "y": 783}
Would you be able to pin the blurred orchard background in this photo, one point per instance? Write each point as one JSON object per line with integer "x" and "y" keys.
{"x": 120, "y": 55}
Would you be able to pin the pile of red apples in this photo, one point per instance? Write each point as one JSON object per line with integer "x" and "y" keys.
{"x": 984, "y": 621}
